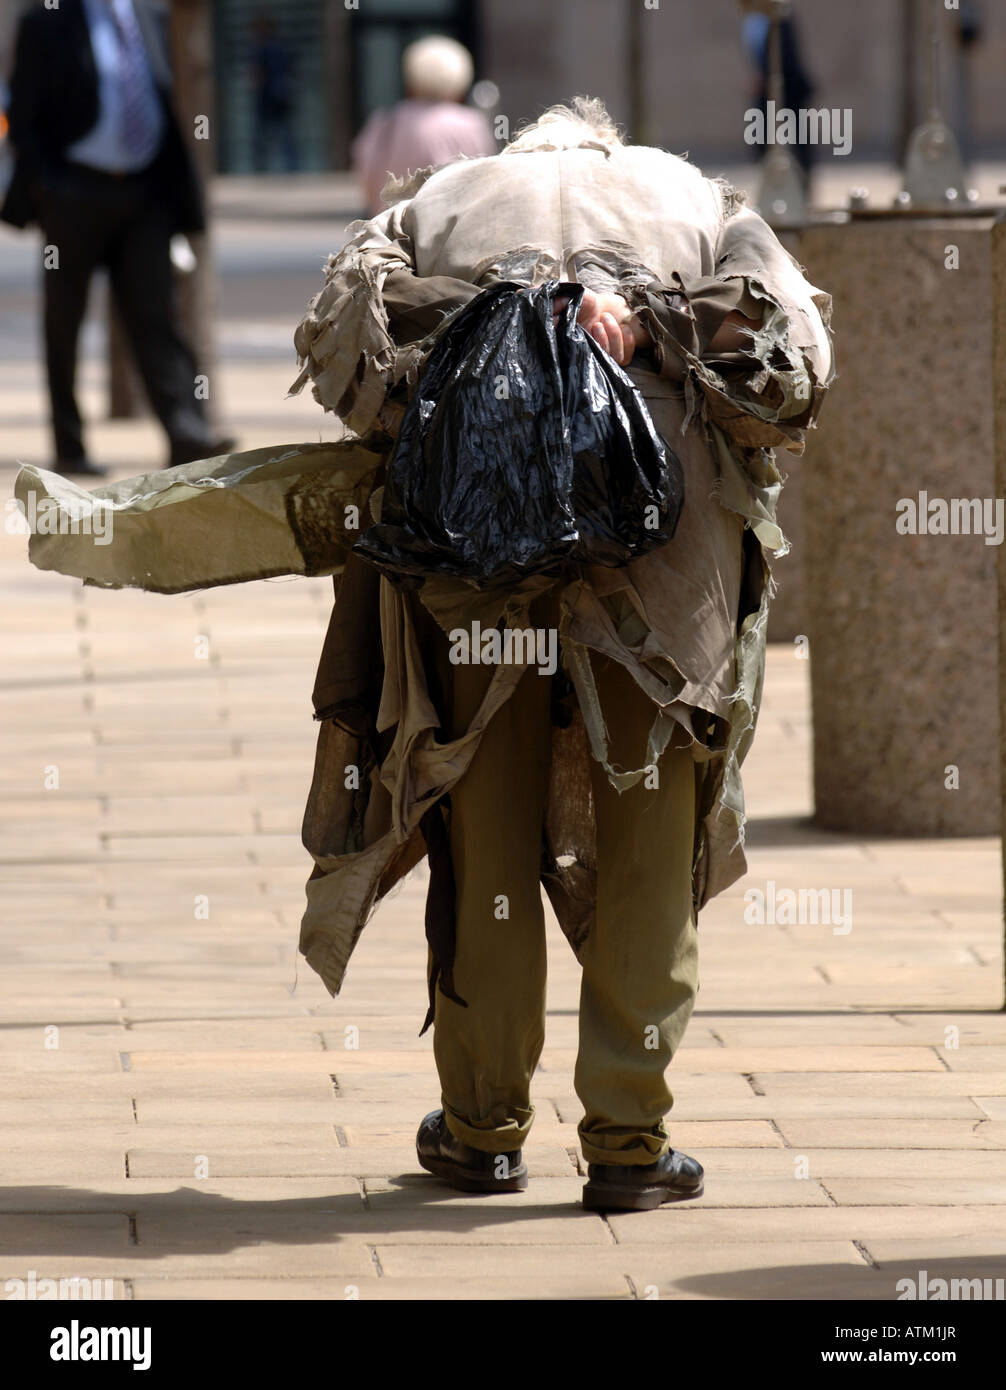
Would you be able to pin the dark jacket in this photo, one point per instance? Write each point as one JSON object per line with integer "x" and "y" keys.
{"x": 54, "y": 102}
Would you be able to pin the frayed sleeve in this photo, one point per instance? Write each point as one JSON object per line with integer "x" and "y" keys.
{"x": 368, "y": 325}
{"x": 418, "y": 305}
{"x": 344, "y": 343}
{"x": 770, "y": 393}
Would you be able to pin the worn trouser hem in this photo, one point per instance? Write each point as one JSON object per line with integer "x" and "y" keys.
{"x": 624, "y": 1150}
{"x": 510, "y": 1137}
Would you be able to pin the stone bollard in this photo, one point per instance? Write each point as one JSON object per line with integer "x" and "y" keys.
{"x": 901, "y": 591}
{"x": 999, "y": 299}
{"x": 787, "y": 617}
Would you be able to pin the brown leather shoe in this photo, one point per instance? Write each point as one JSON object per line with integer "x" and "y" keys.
{"x": 642, "y": 1186}
{"x": 467, "y": 1169}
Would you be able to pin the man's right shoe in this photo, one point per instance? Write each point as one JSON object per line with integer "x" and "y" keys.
{"x": 78, "y": 468}
{"x": 465, "y": 1168}
{"x": 642, "y": 1186}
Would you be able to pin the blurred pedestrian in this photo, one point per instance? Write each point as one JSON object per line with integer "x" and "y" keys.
{"x": 430, "y": 127}
{"x": 102, "y": 167}
{"x": 796, "y": 83}
{"x": 272, "y": 70}
{"x": 5, "y": 155}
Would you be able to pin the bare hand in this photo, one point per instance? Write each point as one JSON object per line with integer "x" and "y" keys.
{"x": 610, "y": 322}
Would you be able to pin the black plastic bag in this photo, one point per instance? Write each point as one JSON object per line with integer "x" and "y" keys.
{"x": 524, "y": 447}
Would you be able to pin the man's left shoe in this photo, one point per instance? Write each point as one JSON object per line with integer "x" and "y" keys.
{"x": 465, "y": 1168}
{"x": 189, "y": 453}
{"x": 642, "y": 1186}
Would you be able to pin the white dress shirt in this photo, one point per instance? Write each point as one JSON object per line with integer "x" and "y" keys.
{"x": 105, "y": 146}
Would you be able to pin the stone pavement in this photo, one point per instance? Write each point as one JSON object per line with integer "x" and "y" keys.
{"x": 180, "y": 1119}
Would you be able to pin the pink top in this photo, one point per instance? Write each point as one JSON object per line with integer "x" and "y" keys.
{"x": 413, "y": 134}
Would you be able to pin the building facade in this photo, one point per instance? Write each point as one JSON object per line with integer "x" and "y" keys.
{"x": 674, "y": 72}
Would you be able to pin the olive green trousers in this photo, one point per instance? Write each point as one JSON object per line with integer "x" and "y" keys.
{"x": 640, "y": 961}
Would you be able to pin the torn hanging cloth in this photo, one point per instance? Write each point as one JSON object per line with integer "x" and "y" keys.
{"x": 687, "y": 621}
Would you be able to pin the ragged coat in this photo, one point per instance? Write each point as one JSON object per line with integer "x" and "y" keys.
{"x": 688, "y": 620}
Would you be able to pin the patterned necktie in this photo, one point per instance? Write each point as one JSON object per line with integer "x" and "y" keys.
{"x": 141, "y": 126}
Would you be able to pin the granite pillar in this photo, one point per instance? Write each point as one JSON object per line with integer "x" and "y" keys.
{"x": 902, "y": 619}
{"x": 787, "y": 618}
{"x": 999, "y": 300}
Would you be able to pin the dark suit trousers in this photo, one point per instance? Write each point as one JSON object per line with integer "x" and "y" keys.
{"x": 123, "y": 224}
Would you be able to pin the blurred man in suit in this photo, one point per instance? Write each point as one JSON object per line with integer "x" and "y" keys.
{"x": 102, "y": 167}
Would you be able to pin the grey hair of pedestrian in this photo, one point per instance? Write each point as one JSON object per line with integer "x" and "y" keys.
{"x": 437, "y": 69}
{"x": 585, "y": 122}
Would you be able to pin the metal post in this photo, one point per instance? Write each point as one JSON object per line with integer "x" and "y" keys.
{"x": 781, "y": 199}
{"x": 638, "y": 112}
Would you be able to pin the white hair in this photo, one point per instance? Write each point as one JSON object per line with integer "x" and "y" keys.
{"x": 585, "y": 122}
{"x": 437, "y": 69}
